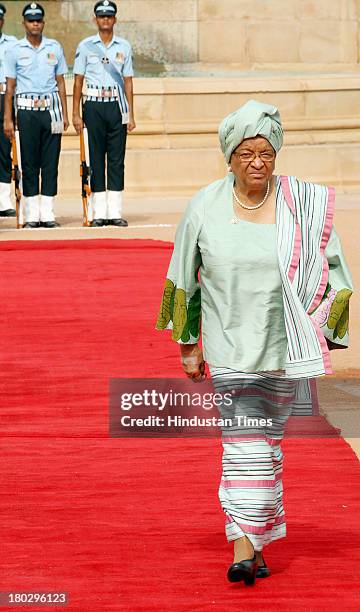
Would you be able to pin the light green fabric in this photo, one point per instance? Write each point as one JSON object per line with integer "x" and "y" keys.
{"x": 252, "y": 285}
{"x": 241, "y": 292}
{"x": 252, "y": 119}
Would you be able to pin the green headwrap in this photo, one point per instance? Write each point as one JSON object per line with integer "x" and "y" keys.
{"x": 252, "y": 119}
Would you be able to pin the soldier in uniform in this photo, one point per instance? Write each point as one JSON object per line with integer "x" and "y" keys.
{"x": 35, "y": 67}
{"x": 6, "y": 207}
{"x": 105, "y": 60}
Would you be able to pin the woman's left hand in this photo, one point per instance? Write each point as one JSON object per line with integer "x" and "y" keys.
{"x": 193, "y": 362}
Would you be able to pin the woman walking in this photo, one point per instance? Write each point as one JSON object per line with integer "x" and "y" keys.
{"x": 271, "y": 300}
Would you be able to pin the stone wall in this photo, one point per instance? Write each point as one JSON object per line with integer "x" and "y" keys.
{"x": 279, "y": 31}
{"x": 246, "y": 33}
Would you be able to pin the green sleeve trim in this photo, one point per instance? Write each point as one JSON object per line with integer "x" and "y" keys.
{"x": 339, "y": 313}
{"x": 185, "y": 318}
{"x": 333, "y": 313}
{"x": 167, "y": 305}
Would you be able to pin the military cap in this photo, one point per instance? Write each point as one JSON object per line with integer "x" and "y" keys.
{"x": 33, "y": 12}
{"x": 2, "y": 11}
{"x": 105, "y": 8}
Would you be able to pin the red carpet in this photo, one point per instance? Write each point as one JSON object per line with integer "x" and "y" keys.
{"x": 135, "y": 524}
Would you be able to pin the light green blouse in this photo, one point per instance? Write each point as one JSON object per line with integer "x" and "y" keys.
{"x": 242, "y": 316}
{"x": 254, "y": 326}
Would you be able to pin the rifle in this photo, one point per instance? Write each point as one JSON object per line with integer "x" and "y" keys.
{"x": 17, "y": 178}
{"x": 85, "y": 173}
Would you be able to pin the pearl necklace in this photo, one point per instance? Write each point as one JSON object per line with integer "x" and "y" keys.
{"x": 235, "y": 219}
{"x": 252, "y": 207}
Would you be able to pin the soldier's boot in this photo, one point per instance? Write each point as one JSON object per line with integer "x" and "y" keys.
{"x": 6, "y": 206}
{"x": 32, "y": 212}
{"x": 99, "y": 208}
{"x": 47, "y": 217}
{"x": 114, "y": 209}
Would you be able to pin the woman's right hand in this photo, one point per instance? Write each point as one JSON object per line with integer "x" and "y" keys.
{"x": 193, "y": 362}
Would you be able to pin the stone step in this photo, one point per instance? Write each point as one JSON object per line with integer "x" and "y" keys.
{"x": 183, "y": 171}
{"x": 175, "y": 146}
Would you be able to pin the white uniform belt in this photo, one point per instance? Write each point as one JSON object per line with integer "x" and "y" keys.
{"x": 43, "y": 102}
{"x": 102, "y": 93}
{"x": 33, "y": 103}
{"x": 2, "y": 88}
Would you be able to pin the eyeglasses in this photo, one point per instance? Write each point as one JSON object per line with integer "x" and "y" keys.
{"x": 266, "y": 157}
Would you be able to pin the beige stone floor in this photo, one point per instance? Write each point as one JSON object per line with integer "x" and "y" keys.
{"x": 156, "y": 218}
{"x": 149, "y": 217}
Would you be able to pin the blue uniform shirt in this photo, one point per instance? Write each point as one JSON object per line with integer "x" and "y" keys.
{"x": 5, "y": 43}
{"x": 35, "y": 68}
{"x": 90, "y": 65}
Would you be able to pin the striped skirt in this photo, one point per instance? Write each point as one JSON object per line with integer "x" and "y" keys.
{"x": 251, "y": 488}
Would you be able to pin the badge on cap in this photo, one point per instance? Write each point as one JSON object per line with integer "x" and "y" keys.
{"x": 33, "y": 5}
{"x": 105, "y": 7}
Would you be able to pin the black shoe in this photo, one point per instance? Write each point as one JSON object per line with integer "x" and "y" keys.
{"x": 263, "y": 571}
{"x": 49, "y": 224}
{"x": 244, "y": 570}
{"x": 31, "y": 225}
{"x": 98, "y": 223}
{"x": 118, "y": 222}
{"x": 9, "y": 212}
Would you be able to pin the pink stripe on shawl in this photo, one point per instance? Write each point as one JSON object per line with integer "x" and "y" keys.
{"x": 324, "y": 347}
{"x": 322, "y": 286}
{"x": 297, "y": 241}
{"x": 324, "y": 240}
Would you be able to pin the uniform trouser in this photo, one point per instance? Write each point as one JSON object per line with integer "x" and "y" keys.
{"x": 107, "y": 144}
{"x": 40, "y": 152}
{"x": 5, "y": 148}
{"x": 251, "y": 488}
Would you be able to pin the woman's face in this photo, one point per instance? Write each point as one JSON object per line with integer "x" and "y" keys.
{"x": 253, "y": 162}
